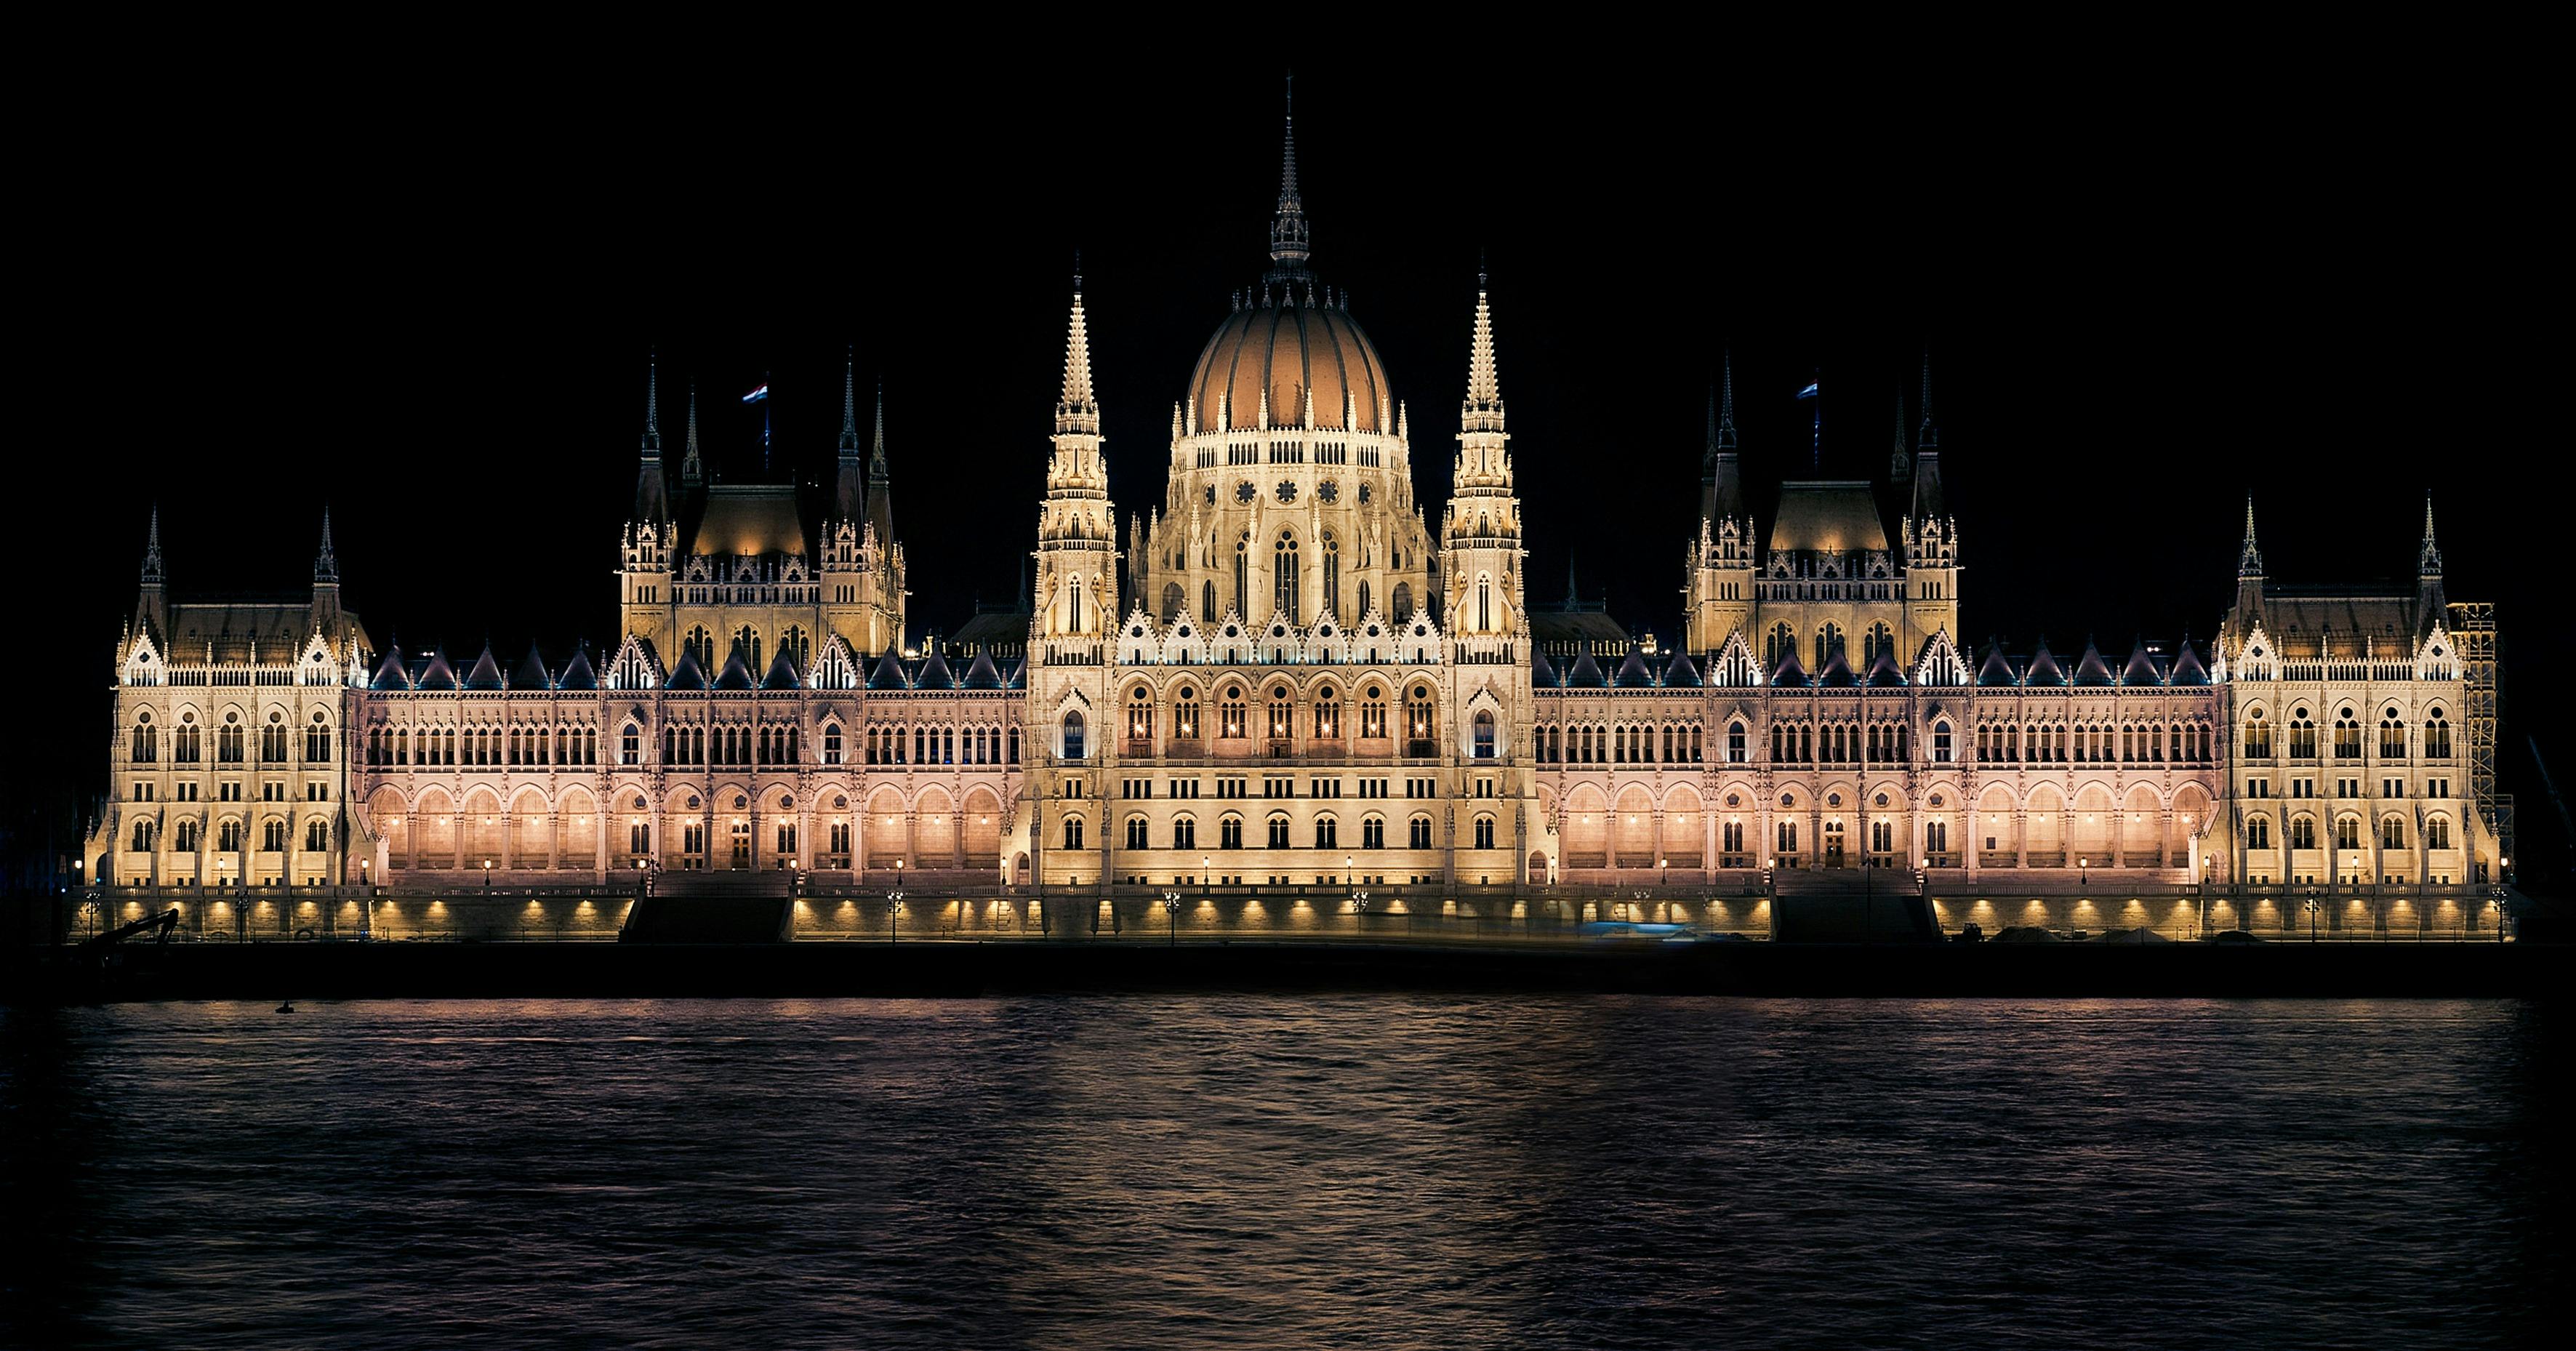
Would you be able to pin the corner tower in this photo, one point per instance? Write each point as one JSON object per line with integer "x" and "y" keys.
{"x": 1931, "y": 540}
{"x": 1480, "y": 540}
{"x": 644, "y": 571}
{"x": 1718, "y": 593}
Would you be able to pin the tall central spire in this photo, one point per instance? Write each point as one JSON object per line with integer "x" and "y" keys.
{"x": 2249, "y": 561}
{"x": 850, "y": 402}
{"x": 1930, "y": 437}
{"x": 1484, "y": 410}
{"x": 1076, "y": 411}
{"x": 326, "y": 566}
{"x": 1288, "y": 232}
{"x": 1721, "y": 484}
{"x": 652, "y": 406}
{"x": 692, "y": 469}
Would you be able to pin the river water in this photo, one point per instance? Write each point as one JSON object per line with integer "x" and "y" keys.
{"x": 1337, "y": 1171}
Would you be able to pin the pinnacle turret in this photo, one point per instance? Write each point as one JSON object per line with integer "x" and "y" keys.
{"x": 2428, "y": 558}
{"x": 880, "y": 493}
{"x": 850, "y": 402}
{"x": 2249, "y": 562}
{"x": 152, "y": 547}
{"x": 326, "y": 567}
{"x": 1077, "y": 410}
{"x": 693, "y": 471}
{"x": 1484, "y": 408}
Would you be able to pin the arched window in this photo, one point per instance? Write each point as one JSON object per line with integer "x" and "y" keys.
{"x": 1372, "y": 714}
{"x": 1402, "y": 597}
{"x": 1229, "y": 832}
{"x": 2347, "y": 736}
{"x": 317, "y": 835}
{"x": 1207, "y": 602}
{"x": 2303, "y": 832}
{"x": 2437, "y": 832}
{"x": 1417, "y": 833}
{"x": 1136, "y": 833}
{"x": 1829, "y": 641}
{"x": 1735, "y": 743}
{"x": 1172, "y": 601}
{"x": 2392, "y": 832}
{"x": 701, "y": 645}
{"x": 2347, "y": 832}
{"x": 1278, "y": 831}
{"x": 631, "y": 746}
{"x": 2258, "y": 832}
{"x": 1373, "y": 832}
{"x": 1484, "y": 735}
{"x": 1328, "y": 833}
{"x": 2392, "y": 735}
{"x": 1281, "y": 714}
{"x": 1332, "y": 575}
{"x": 2258, "y": 736}
{"x": 147, "y": 739}
{"x": 1073, "y": 832}
{"x": 272, "y": 740}
{"x": 746, "y": 640}
{"x": 228, "y": 741}
{"x": 831, "y": 743}
{"x": 228, "y": 836}
{"x": 183, "y": 836}
{"x": 1777, "y": 647}
{"x": 1140, "y": 715}
{"x": 1283, "y": 575}
{"x": 1421, "y": 733}
{"x": 2437, "y": 735}
{"x": 1230, "y": 719}
{"x": 272, "y": 834}
{"x": 792, "y": 644}
{"x": 1877, "y": 641}
{"x": 2303, "y": 735}
{"x": 1940, "y": 743}
{"x": 1185, "y": 715}
{"x": 1073, "y": 736}
{"x": 1484, "y": 603}
{"x": 1484, "y": 832}
{"x": 1185, "y": 832}
{"x": 1328, "y": 714}
{"x": 1242, "y": 575}
{"x": 143, "y": 836}
{"x": 184, "y": 747}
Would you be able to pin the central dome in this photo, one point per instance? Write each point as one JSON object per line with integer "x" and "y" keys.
{"x": 1290, "y": 349}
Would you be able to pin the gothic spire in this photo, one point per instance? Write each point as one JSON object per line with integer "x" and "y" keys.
{"x": 1573, "y": 598}
{"x": 1077, "y": 411}
{"x": 1900, "y": 465}
{"x": 691, "y": 468}
{"x": 652, "y": 407}
{"x": 880, "y": 492}
{"x": 850, "y": 402}
{"x": 876, "y": 452}
{"x": 1723, "y": 437}
{"x": 152, "y": 547}
{"x": 1288, "y": 232}
{"x": 1930, "y": 438}
{"x": 1484, "y": 410}
{"x": 1721, "y": 494}
{"x": 2250, "y": 562}
{"x": 326, "y": 567}
{"x": 2428, "y": 559}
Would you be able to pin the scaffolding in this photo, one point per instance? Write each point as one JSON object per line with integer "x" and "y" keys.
{"x": 2473, "y": 631}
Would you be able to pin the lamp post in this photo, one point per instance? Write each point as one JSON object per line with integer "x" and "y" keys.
{"x": 894, "y": 907}
{"x": 1359, "y": 913}
{"x": 1172, "y": 919}
{"x": 487, "y": 877}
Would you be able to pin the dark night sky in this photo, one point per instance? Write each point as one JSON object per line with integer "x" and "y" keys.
{"x": 2138, "y": 312}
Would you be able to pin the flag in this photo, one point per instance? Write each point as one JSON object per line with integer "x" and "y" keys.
{"x": 757, "y": 395}
{"x": 1808, "y": 393}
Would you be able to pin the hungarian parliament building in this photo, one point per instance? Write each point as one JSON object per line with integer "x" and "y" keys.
{"x": 1291, "y": 682}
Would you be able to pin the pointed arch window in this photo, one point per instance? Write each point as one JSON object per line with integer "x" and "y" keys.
{"x": 147, "y": 739}
{"x": 1073, "y": 741}
{"x": 2437, "y": 735}
{"x": 1484, "y": 735}
{"x": 228, "y": 740}
{"x": 1484, "y": 603}
{"x": 1284, "y": 575}
{"x": 1185, "y": 715}
{"x": 183, "y": 836}
{"x": 1242, "y": 575}
{"x": 1332, "y": 575}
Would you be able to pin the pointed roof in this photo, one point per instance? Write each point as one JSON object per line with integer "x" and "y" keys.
{"x": 1900, "y": 464}
{"x": 1633, "y": 674}
{"x": 687, "y": 673}
{"x": 2187, "y": 667}
{"x": 889, "y": 673}
{"x": 691, "y": 467}
{"x": 736, "y": 674}
{"x": 1789, "y": 672}
{"x": 2249, "y": 562}
{"x": 2428, "y": 556}
{"x": 2090, "y": 669}
{"x": 1929, "y": 503}
{"x": 1585, "y": 674}
{"x": 1995, "y": 672}
{"x": 782, "y": 673}
{"x": 980, "y": 674}
{"x": 1541, "y": 673}
{"x": 1018, "y": 676}
{"x": 485, "y": 673}
{"x": 391, "y": 673}
{"x": 2043, "y": 668}
{"x": 437, "y": 674}
{"x": 934, "y": 673}
{"x": 1722, "y": 481}
{"x": 652, "y": 501}
{"x": 530, "y": 673}
{"x": 1836, "y": 674}
{"x": 1884, "y": 673}
{"x": 849, "y": 485}
{"x": 2141, "y": 668}
{"x": 152, "y": 547}
{"x": 1680, "y": 673}
{"x": 577, "y": 674}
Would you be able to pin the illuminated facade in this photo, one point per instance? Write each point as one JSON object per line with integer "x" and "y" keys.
{"x": 1295, "y": 675}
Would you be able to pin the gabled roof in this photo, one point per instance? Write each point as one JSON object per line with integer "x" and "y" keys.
{"x": 486, "y": 673}
{"x": 1585, "y": 674}
{"x": 934, "y": 674}
{"x": 749, "y": 519}
{"x": 2141, "y": 669}
{"x": 2091, "y": 670}
{"x": 980, "y": 674}
{"x": 1837, "y": 674}
{"x": 1883, "y": 673}
{"x": 437, "y": 675}
{"x": 2043, "y": 668}
{"x": 390, "y": 673}
{"x": 782, "y": 673}
{"x": 1681, "y": 674}
{"x": 1018, "y": 676}
{"x": 1633, "y": 674}
{"x": 1995, "y": 672}
{"x": 688, "y": 674}
{"x": 1789, "y": 672}
{"x": 889, "y": 673}
{"x": 2187, "y": 669}
{"x": 1542, "y": 674}
{"x": 736, "y": 674}
{"x": 577, "y": 674}
{"x": 530, "y": 673}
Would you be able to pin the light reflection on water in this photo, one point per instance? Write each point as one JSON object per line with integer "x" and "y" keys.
{"x": 1359, "y": 1170}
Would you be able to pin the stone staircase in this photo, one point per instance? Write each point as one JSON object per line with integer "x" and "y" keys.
{"x": 1845, "y": 905}
{"x": 713, "y": 907}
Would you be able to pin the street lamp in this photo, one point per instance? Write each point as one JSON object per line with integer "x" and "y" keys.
{"x": 1172, "y": 916}
{"x": 894, "y": 907}
{"x": 1359, "y": 912}
{"x": 487, "y": 877}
